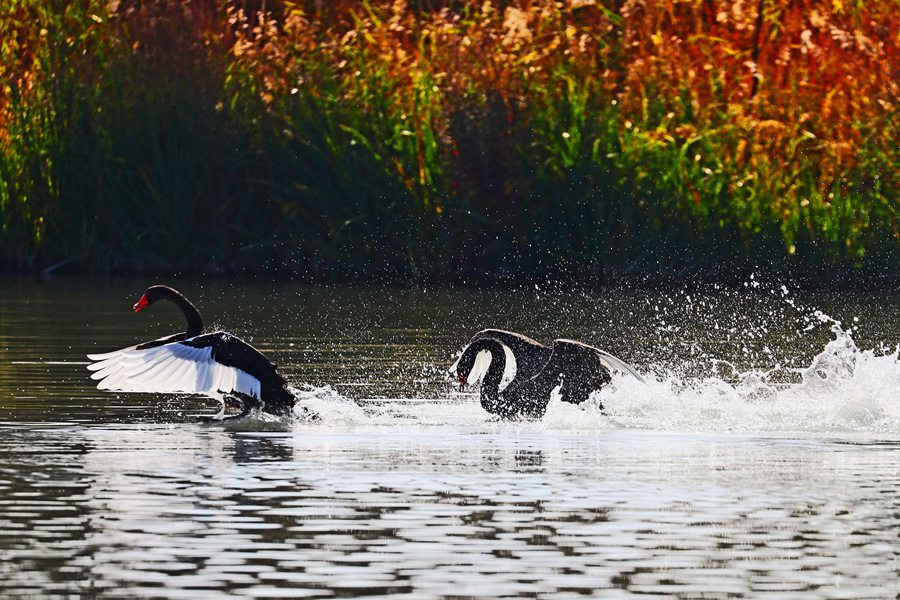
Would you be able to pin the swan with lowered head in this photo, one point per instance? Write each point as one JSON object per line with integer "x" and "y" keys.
{"x": 518, "y": 374}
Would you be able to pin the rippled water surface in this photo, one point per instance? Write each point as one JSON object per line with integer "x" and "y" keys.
{"x": 761, "y": 456}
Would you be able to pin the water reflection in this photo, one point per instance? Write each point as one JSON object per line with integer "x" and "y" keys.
{"x": 528, "y": 459}
{"x": 150, "y": 510}
{"x": 43, "y": 517}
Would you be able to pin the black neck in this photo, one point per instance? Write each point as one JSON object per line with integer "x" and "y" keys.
{"x": 194, "y": 320}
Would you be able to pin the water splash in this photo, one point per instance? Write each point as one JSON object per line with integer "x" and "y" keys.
{"x": 843, "y": 389}
{"x": 325, "y": 406}
{"x": 766, "y": 385}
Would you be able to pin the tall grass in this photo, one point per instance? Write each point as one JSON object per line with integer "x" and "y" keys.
{"x": 447, "y": 140}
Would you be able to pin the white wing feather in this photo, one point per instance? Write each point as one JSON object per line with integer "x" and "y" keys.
{"x": 483, "y": 363}
{"x": 510, "y": 369}
{"x": 614, "y": 364}
{"x": 479, "y": 368}
{"x": 170, "y": 369}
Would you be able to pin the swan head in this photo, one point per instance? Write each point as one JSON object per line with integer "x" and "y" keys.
{"x": 153, "y": 294}
{"x": 163, "y": 292}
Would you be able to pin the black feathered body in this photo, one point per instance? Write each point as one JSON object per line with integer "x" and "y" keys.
{"x": 232, "y": 351}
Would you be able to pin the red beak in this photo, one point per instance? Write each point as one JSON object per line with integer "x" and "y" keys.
{"x": 141, "y": 304}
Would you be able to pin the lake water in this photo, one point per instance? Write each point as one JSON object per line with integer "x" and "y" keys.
{"x": 762, "y": 455}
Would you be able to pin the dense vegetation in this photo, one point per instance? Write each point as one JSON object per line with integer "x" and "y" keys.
{"x": 451, "y": 139}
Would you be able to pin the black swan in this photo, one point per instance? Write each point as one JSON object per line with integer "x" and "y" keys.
{"x": 217, "y": 364}
{"x": 513, "y": 391}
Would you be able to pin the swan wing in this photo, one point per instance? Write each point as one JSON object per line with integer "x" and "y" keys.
{"x": 616, "y": 364}
{"x": 583, "y": 354}
{"x": 510, "y": 338}
{"x": 198, "y": 365}
{"x": 583, "y": 369}
{"x": 99, "y": 358}
{"x": 480, "y": 368}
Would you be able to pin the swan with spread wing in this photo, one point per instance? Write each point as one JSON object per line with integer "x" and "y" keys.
{"x": 217, "y": 364}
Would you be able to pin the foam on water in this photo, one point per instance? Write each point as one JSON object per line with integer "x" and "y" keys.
{"x": 842, "y": 389}
{"x": 325, "y": 406}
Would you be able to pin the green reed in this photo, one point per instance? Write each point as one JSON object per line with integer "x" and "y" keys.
{"x": 377, "y": 141}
